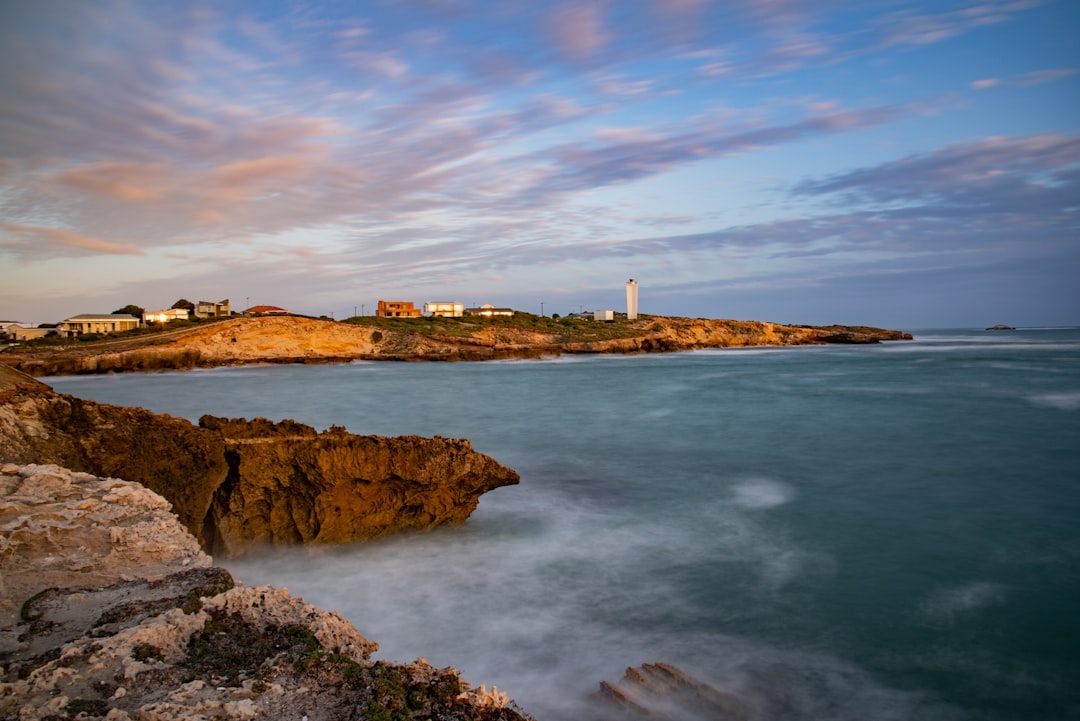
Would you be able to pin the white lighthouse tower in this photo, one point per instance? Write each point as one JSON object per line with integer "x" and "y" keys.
{"x": 631, "y": 299}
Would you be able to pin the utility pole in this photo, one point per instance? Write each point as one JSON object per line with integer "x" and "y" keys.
{"x": 354, "y": 311}
{"x": 541, "y": 309}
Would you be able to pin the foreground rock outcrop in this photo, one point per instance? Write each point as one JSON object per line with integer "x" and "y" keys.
{"x": 308, "y": 340}
{"x": 662, "y": 692}
{"x": 109, "y": 610}
{"x": 236, "y": 482}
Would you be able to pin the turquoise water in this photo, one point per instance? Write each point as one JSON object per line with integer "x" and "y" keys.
{"x": 880, "y": 532}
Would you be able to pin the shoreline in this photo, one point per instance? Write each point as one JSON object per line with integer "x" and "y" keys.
{"x": 285, "y": 340}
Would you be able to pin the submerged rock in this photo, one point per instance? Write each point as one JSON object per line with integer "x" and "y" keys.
{"x": 662, "y": 692}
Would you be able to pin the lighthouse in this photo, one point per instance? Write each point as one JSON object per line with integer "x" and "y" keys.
{"x": 631, "y": 299}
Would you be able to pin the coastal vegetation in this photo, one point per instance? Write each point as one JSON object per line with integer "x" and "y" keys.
{"x": 299, "y": 339}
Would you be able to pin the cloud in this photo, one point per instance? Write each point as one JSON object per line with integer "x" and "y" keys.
{"x": 578, "y": 29}
{"x": 1045, "y": 76}
{"x": 579, "y": 166}
{"x": 995, "y": 175}
{"x": 1039, "y": 77}
{"x": 35, "y": 241}
{"x": 133, "y": 182}
{"x": 913, "y": 28}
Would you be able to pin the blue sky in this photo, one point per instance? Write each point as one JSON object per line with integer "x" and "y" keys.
{"x": 901, "y": 164}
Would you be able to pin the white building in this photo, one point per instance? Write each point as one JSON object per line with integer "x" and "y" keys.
{"x": 603, "y": 315}
{"x": 487, "y": 310}
{"x": 631, "y": 299}
{"x": 164, "y": 316}
{"x": 210, "y": 309}
{"x": 90, "y": 323}
{"x": 445, "y": 310}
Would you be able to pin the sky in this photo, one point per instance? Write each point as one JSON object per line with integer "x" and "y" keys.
{"x": 883, "y": 162}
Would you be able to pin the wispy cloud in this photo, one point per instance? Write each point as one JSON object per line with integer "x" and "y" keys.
{"x": 578, "y": 28}
{"x": 31, "y": 242}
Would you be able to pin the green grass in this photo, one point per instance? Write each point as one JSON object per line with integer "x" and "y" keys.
{"x": 564, "y": 330}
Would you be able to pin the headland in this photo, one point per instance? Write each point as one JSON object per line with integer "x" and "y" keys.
{"x": 294, "y": 339}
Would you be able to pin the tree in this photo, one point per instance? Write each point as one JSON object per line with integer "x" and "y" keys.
{"x": 185, "y": 304}
{"x": 131, "y": 309}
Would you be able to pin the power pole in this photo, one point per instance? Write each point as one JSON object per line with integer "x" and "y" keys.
{"x": 541, "y": 309}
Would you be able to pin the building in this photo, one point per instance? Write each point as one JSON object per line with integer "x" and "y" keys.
{"x": 265, "y": 310}
{"x": 209, "y": 309}
{"x": 487, "y": 310}
{"x": 397, "y": 309}
{"x": 90, "y": 323}
{"x": 445, "y": 310}
{"x": 21, "y": 334}
{"x": 164, "y": 316}
{"x": 15, "y": 331}
{"x": 631, "y": 299}
{"x": 603, "y": 315}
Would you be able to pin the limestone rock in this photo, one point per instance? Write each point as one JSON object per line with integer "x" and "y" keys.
{"x": 307, "y": 340}
{"x": 59, "y": 528}
{"x": 288, "y": 483}
{"x": 161, "y": 635}
{"x": 237, "y": 482}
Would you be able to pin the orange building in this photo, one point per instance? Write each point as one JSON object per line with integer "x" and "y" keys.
{"x": 397, "y": 309}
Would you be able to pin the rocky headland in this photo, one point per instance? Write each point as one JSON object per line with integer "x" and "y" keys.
{"x": 233, "y": 483}
{"x": 307, "y": 340}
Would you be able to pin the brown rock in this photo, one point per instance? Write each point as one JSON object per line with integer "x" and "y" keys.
{"x": 288, "y": 483}
{"x": 662, "y": 692}
{"x": 307, "y": 340}
{"x": 233, "y": 483}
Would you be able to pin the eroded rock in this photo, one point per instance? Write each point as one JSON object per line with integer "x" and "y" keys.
{"x": 235, "y": 482}
{"x": 123, "y": 635}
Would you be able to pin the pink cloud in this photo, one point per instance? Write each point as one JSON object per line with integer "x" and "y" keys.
{"x": 45, "y": 241}
{"x": 578, "y": 28}
{"x": 133, "y": 182}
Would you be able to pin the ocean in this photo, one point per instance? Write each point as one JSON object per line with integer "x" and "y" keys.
{"x": 839, "y": 532}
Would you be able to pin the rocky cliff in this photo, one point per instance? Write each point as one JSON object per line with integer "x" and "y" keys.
{"x": 109, "y": 610}
{"x": 287, "y": 483}
{"x": 306, "y": 340}
{"x": 236, "y": 482}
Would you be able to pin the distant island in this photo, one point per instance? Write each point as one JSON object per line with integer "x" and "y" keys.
{"x": 296, "y": 339}
{"x": 1001, "y": 327}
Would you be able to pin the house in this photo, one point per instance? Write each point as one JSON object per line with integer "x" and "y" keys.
{"x": 397, "y": 309}
{"x": 164, "y": 316}
{"x": 603, "y": 315}
{"x": 30, "y": 333}
{"x": 265, "y": 310}
{"x": 15, "y": 331}
{"x": 91, "y": 323}
{"x": 209, "y": 309}
{"x": 445, "y": 310}
{"x": 487, "y": 310}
